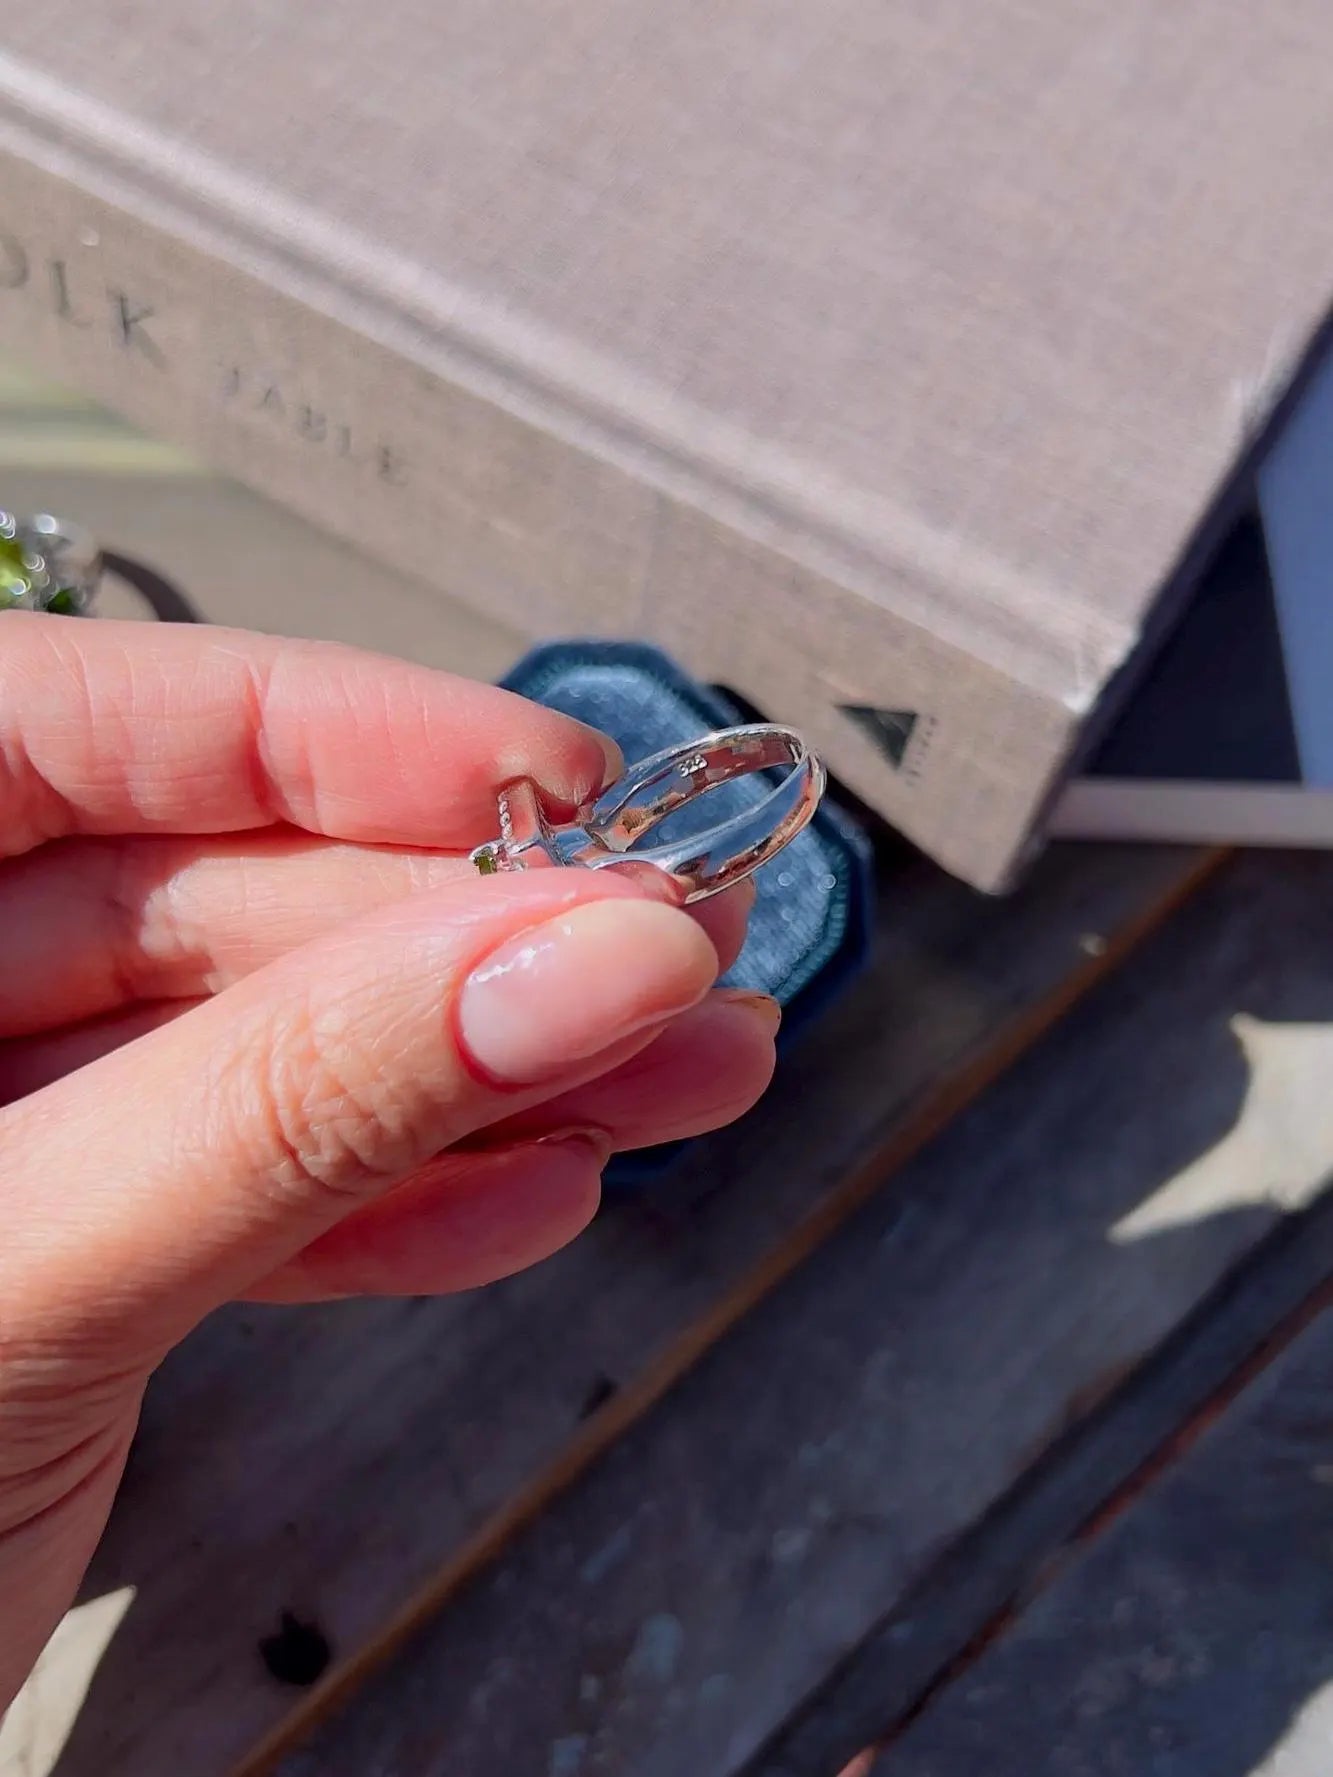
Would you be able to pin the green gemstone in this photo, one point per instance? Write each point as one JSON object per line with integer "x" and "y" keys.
{"x": 31, "y": 576}
{"x": 16, "y": 577}
{"x": 13, "y": 553}
{"x": 487, "y": 863}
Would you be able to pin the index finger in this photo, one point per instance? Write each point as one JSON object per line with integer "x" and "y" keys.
{"x": 109, "y": 727}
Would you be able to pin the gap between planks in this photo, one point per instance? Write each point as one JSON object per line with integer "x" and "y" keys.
{"x": 1188, "y": 1628}
{"x": 931, "y": 1114}
{"x": 980, "y": 1587}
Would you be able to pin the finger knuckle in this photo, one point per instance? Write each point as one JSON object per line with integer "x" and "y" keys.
{"x": 324, "y": 1115}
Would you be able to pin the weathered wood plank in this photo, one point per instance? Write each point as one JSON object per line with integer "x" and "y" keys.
{"x": 670, "y": 1613}
{"x": 353, "y": 1465}
{"x": 1194, "y": 1638}
{"x": 971, "y": 1592}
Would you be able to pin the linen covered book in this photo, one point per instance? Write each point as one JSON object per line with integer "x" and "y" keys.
{"x": 894, "y": 365}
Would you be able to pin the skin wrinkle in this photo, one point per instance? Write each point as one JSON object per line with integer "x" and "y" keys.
{"x": 42, "y": 812}
{"x": 286, "y": 692}
{"x": 109, "y": 1461}
{"x": 53, "y": 1365}
{"x": 150, "y": 935}
{"x": 44, "y": 1381}
{"x": 182, "y": 956}
{"x": 134, "y": 920}
{"x": 207, "y": 979}
{"x": 30, "y": 1528}
{"x": 29, "y": 1488}
{"x": 402, "y": 767}
{"x": 155, "y": 949}
{"x": 272, "y": 802}
{"x": 127, "y": 911}
{"x": 21, "y": 788}
{"x": 71, "y": 1336}
{"x": 126, "y": 712}
{"x": 338, "y": 694}
{"x": 74, "y": 667}
{"x": 130, "y": 932}
{"x": 38, "y": 1554}
{"x": 322, "y": 1099}
{"x": 109, "y": 725}
{"x": 103, "y": 726}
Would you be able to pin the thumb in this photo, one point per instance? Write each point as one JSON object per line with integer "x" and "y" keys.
{"x": 167, "y": 1177}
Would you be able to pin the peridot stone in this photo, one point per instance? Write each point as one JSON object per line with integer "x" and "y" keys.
{"x": 16, "y": 577}
{"x": 13, "y": 553}
{"x": 487, "y": 863}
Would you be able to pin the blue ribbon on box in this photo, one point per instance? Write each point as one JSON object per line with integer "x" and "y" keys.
{"x": 810, "y": 930}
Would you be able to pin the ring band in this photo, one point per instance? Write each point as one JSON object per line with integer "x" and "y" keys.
{"x": 609, "y": 830}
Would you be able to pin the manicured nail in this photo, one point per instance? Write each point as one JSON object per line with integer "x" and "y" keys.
{"x": 595, "y": 975}
{"x": 761, "y": 1005}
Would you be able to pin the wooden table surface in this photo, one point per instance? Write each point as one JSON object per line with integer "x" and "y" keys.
{"x": 967, "y": 1409}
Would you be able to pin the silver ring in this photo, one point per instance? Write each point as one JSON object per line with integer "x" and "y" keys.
{"x": 47, "y": 565}
{"x": 609, "y": 830}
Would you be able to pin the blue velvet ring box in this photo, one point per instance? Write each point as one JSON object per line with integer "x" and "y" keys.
{"x": 810, "y": 928}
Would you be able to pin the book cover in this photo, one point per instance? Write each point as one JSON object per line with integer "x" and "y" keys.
{"x": 894, "y": 366}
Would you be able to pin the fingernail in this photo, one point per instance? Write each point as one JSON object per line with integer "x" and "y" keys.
{"x": 650, "y": 880}
{"x": 761, "y": 1005}
{"x": 615, "y": 759}
{"x": 564, "y": 991}
{"x": 594, "y": 1144}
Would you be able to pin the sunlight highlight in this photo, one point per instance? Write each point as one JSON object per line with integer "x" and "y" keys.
{"x": 1278, "y": 1154}
{"x": 42, "y": 1717}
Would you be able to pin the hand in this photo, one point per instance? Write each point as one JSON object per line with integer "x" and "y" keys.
{"x": 265, "y": 1032}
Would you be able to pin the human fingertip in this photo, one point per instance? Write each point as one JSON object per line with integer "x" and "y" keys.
{"x": 652, "y": 883}
{"x": 762, "y": 1007}
{"x": 592, "y": 1145}
{"x": 590, "y": 977}
{"x": 613, "y": 760}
